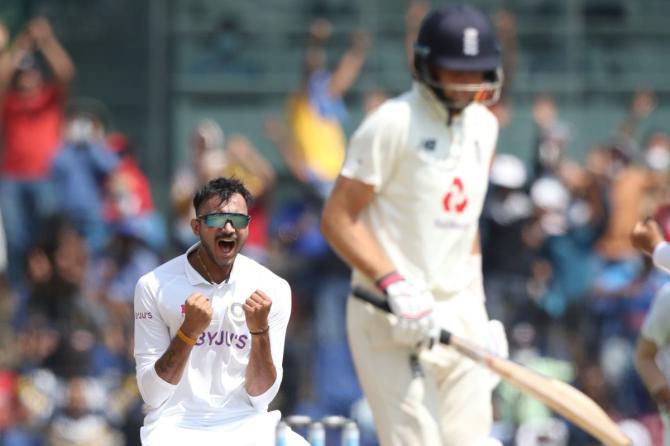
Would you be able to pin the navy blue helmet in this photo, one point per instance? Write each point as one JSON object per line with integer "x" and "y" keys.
{"x": 459, "y": 38}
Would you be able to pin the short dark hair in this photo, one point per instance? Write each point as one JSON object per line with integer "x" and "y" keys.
{"x": 222, "y": 187}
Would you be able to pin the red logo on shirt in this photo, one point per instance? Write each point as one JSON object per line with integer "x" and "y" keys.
{"x": 455, "y": 199}
{"x": 183, "y": 309}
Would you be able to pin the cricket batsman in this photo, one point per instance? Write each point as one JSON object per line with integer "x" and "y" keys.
{"x": 404, "y": 215}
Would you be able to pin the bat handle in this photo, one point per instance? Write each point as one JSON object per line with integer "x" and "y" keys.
{"x": 381, "y": 303}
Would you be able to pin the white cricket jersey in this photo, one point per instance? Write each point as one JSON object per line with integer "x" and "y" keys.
{"x": 657, "y": 329}
{"x": 211, "y": 391}
{"x": 661, "y": 256}
{"x": 430, "y": 179}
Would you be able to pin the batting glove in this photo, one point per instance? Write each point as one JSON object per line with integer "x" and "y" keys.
{"x": 413, "y": 307}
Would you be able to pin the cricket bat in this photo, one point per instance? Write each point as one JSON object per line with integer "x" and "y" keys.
{"x": 561, "y": 397}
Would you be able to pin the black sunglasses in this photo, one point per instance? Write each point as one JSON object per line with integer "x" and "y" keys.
{"x": 219, "y": 219}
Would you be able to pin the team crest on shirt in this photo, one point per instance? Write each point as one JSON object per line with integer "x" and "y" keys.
{"x": 456, "y": 199}
{"x": 432, "y": 149}
{"x": 429, "y": 144}
{"x": 236, "y": 312}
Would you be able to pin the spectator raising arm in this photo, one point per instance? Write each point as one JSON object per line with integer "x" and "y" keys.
{"x": 350, "y": 65}
{"x": 59, "y": 61}
{"x": 6, "y": 68}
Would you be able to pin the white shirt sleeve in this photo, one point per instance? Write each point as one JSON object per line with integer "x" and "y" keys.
{"x": 655, "y": 327}
{"x": 278, "y": 322}
{"x": 661, "y": 256}
{"x": 376, "y": 144}
{"x": 151, "y": 341}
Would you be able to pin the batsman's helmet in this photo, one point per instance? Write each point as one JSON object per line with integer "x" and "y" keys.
{"x": 461, "y": 38}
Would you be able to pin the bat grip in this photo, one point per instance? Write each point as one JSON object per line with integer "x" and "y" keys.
{"x": 381, "y": 303}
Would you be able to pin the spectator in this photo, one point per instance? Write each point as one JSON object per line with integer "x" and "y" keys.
{"x": 206, "y": 159}
{"x": 116, "y": 271}
{"x": 316, "y": 110}
{"x": 76, "y": 424}
{"x": 507, "y": 213}
{"x": 128, "y": 197}
{"x": 57, "y": 269}
{"x": 552, "y": 137}
{"x": 13, "y": 427}
{"x": 31, "y": 119}
{"x": 79, "y": 173}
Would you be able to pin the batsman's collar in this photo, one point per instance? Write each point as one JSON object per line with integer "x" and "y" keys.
{"x": 194, "y": 277}
{"x": 428, "y": 97}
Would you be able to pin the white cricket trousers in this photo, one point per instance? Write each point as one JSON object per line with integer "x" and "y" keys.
{"x": 451, "y": 404}
{"x": 255, "y": 430}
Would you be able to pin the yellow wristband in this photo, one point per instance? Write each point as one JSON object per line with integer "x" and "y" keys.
{"x": 181, "y": 335}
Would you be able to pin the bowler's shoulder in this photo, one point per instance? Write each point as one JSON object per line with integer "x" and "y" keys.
{"x": 164, "y": 273}
{"x": 250, "y": 269}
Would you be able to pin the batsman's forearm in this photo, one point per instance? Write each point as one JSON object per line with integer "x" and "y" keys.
{"x": 354, "y": 243}
{"x": 170, "y": 366}
{"x": 261, "y": 373}
{"x": 651, "y": 375}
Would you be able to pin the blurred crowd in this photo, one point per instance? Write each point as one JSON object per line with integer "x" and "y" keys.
{"x": 80, "y": 227}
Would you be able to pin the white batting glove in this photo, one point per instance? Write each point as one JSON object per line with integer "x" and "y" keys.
{"x": 413, "y": 306}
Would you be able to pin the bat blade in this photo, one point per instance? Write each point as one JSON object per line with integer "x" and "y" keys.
{"x": 561, "y": 397}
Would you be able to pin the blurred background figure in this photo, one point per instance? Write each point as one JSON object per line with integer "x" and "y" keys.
{"x": 80, "y": 170}
{"x": 316, "y": 112}
{"x": 128, "y": 196}
{"x": 552, "y": 136}
{"x": 76, "y": 424}
{"x": 35, "y": 75}
{"x": 552, "y": 432}
{"x": 508, "y": 211}
{"x": 206, "y": 160}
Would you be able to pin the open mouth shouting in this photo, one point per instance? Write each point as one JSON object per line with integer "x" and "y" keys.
{"x": 226, "y": 245}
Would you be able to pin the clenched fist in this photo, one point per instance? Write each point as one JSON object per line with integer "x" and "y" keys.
{"x": 662, "y": 396}
{"x": 40, "y": 30}
{"x": 256, "y": 310}
{"x": 646, "y": 235}
{"x": 198, "y": 314}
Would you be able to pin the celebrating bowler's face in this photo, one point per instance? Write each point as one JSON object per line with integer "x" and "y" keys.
{"x": 223, "y": 228}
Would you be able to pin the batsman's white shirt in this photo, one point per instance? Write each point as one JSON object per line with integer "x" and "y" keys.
{"x": 430, "y": 180}
{"x": 210, "y": 395}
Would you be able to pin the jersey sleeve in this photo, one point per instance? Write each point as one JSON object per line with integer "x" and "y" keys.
{"x": 278, "y": 322}
{"x": 151, "y": 341}
{"x": 374, "y": 148}
{"x": 655, "y": 327}
{"x": 661, "y": 256}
